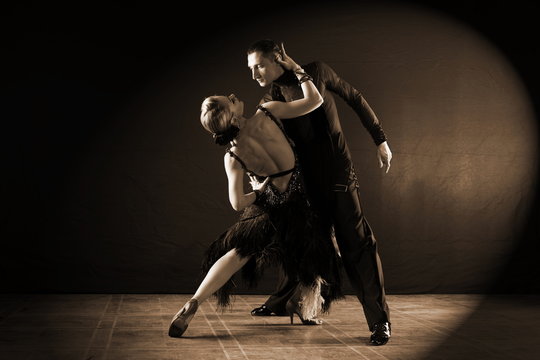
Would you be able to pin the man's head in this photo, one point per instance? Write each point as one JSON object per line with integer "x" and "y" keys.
{"x": 262, "y": 61}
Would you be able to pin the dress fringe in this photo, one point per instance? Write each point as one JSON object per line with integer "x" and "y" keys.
{"x": 290, "y": 236}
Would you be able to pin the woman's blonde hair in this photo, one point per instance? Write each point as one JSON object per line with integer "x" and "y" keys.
{"x": 216, "y": 119}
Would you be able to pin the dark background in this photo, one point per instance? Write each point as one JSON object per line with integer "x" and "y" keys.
{"x": 110, "y": 184}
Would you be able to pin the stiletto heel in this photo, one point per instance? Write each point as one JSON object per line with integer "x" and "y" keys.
{"x": 181, "y": 320}
{"x": 293, "y": 307}
{"x": 289, "y": 307}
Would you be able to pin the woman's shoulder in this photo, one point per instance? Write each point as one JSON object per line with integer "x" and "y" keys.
{"x": 228, "y": 157}
{"x": 267, "y": 108}
{"x": 231, "y": 159}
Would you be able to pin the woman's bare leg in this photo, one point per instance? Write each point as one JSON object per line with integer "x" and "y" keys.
{"x": 219, "y": 274}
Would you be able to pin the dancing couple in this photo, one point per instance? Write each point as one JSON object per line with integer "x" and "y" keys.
{"x": 305, "y": 191}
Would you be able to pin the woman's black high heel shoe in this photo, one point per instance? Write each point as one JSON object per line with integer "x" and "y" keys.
{"x": 180, "y": 322}
{"x": 292, "y": 307}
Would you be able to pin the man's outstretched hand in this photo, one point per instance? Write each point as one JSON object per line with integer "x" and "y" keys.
{"x": 384, "y": 155}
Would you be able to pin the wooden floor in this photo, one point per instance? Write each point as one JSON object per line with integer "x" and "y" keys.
{"x": 99, "y": 327}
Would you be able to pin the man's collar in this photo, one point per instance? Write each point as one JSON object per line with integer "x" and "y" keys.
{"x": 287, "y": 78}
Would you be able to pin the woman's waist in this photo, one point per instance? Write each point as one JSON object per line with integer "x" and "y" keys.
{"x": 280, "y": 190}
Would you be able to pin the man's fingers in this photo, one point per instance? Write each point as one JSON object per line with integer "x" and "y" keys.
{"x": 386, "y": 163}
{"x": 384, "y": 155}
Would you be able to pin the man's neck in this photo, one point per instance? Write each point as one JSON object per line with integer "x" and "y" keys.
{"x": 286, "y": 77}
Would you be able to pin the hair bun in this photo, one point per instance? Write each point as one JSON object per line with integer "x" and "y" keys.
{"x": 225, "y": 137}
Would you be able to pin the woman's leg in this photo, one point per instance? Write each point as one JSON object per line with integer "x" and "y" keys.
{"x": 219, "y": 274}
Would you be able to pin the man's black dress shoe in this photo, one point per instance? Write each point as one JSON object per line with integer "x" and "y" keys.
{"x": 380, "y": 334}
{"x": 264, "y": 311}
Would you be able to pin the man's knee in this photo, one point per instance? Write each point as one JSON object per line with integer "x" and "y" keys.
{"x": 354, "y": 245}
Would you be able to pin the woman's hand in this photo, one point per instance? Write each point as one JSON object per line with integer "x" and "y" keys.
{"x": 285, "y": 60}
{"x": 256, "y": 185}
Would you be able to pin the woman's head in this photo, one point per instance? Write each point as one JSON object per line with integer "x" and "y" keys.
{"x": 219, "y": 116}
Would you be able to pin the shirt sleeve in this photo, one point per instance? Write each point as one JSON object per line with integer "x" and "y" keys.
{"x": 353, "y": 98}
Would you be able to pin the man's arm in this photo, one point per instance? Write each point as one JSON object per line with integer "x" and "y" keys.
{"x": 353, "y": 98}
{"x": 359, "y": 104}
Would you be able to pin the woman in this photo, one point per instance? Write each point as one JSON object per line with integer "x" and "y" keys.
{"x": 277, "y": 226}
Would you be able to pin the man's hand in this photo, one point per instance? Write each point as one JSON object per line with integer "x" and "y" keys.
{"x": 384, "y": 155}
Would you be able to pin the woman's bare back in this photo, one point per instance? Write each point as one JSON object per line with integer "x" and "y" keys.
{"x": 264, "y": 149}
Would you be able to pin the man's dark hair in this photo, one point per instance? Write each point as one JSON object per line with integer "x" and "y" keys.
{"x": 267, "y": 47}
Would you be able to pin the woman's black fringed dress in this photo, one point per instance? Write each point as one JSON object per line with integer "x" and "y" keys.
{"x": 280, "y": 229}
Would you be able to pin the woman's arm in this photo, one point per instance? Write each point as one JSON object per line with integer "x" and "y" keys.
{"x": 235, "y": 175}
{"x": 312, "y": 97}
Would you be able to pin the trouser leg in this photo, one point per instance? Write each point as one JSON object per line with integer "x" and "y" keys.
{"x": 285, "y": 289}
{"x": 359, "y": 254}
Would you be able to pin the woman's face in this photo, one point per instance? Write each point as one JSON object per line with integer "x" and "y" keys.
{"x": 235, "y": 105}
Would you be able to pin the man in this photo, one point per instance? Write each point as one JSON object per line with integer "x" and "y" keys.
{"x": 330, "y": 179}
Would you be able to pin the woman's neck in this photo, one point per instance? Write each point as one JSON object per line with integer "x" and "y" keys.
{"x": 244, "y": 126}
{"x": 242, "y": 121}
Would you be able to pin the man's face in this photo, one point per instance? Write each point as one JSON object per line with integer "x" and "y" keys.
{"x": 263, "y": 70}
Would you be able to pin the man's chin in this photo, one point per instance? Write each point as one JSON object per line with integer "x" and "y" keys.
{"x": 262, "y": 83}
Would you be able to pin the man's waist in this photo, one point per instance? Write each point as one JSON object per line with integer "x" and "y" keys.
{"x": 343, "y": 181}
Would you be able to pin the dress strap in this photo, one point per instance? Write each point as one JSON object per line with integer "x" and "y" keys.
{"x": 282, "y": 173}
{"x": 252, "y": 173}
{"x": 271, "y": 116}
{"x": 249, "y": 172}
